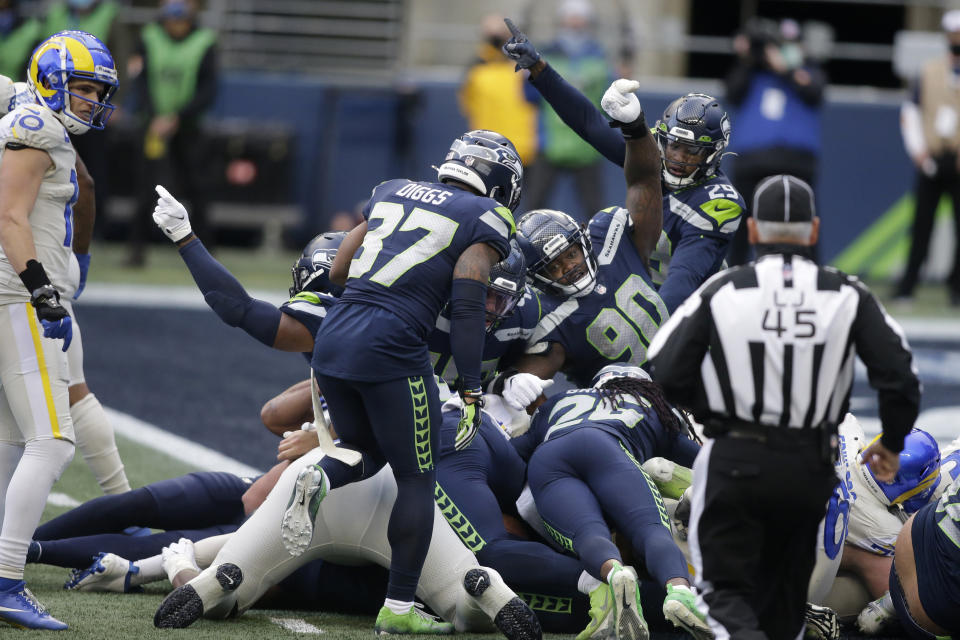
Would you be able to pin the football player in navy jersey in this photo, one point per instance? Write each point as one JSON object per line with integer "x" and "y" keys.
{"x": 585, "y": 448}
{"x": 513, "y": 310}
{"x": 294, "y": 325}
{"x": 599, "y": 305}
{"x": 422, "y": 244}
{"x": 701, "y": 207}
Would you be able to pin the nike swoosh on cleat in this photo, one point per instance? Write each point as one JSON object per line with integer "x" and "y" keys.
{"x": 13, "y": 610}
{"x": 228, "y": 579}
{"x": 479, "y": 581}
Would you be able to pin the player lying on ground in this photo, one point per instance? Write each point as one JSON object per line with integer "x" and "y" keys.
{"x": 586, "y": 448}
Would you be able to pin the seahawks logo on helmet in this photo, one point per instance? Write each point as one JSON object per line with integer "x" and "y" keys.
{"x": 698, "y": 123}
{"x": 486, "y": 162}
{"x": 311, "y": 271}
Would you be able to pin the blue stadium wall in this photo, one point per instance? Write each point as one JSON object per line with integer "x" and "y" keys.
{"x": 350, "y": 139}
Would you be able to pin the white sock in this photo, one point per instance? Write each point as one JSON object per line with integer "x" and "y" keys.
{"x": 97, "y": 444}
{"x": 398, "y": 606}
{"x": 151, "y": 570}
{"x": 587, "y": 583}
{"x": 41, "y": 465}
{"x": 9, "y": 458}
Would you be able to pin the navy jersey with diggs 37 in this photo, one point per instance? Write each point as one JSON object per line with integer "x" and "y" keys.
{"x": 633, "y": 421}
{"x": 507, "y": 339}
{"x": 401, "y": 276}
{"x": 698, "y": 223}
{"x": 616, "y": 321}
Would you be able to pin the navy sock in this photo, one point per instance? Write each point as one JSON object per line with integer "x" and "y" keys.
{"x": 409, "y": 533}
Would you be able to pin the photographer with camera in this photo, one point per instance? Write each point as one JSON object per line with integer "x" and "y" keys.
{"x": 777, "y": 94}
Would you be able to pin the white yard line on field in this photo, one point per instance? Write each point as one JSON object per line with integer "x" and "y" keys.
{"x": 186, "y": 451}
{"x": 296, "y": 625}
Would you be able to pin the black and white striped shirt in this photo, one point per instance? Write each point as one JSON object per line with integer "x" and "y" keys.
{"x": 773, "y": 342}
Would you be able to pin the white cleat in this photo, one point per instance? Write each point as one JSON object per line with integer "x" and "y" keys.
{"x": 680, "y": 608}
{"x": 296, "y": 528}
{"x": 109, "y": 573}
{"x": 628, "y": 622}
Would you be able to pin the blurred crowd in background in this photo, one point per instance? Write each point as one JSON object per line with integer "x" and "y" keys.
{"x": 246, "y": 107}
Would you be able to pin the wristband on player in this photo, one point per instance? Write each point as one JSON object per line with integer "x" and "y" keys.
{"x": 34, "y": 276}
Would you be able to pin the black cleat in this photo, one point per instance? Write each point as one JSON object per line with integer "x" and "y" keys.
{"x": 180, "y": 609}
{"x": 515, "y": 619}
{"x": 184, "y": 606}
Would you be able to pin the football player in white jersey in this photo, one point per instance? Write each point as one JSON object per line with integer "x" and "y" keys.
{"x": 349, "y": 527}
{"x": 71, "y": 77}
{"x": 92, "y": 429}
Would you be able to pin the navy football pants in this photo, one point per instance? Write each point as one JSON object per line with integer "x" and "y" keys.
{"x": 397, "y": 421}
{"x": 584, "y": 477}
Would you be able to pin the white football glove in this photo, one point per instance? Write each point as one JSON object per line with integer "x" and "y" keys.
{"x": 521, "y": 389}
{"x": 171, "y": 216}
{"x": 178, "y": 557}
{"x": 620, "y": 102}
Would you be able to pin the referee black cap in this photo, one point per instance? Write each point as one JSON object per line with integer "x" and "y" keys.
{"x": 783, "y": 198}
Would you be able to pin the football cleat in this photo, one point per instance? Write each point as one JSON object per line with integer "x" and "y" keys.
{"x": 510, "y": 614}
{"x": 627, "y": 622}
{"x": 878, "y": 617}
{"x": 680, "y": 608}
{"x": 108, "y": 572}
{"x": 21, "y": 609}
{"x": 416, "y": 620}
{"x": 185, "y": 605}
{"x": 821, "y": 623}
{"x": 601, "y": 607}
{"x": 296, "y": 528}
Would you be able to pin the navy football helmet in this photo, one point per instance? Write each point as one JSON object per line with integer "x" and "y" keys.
{"x": 311, "y": 271}
{"x": 545, "y": 235}
{"x": 700, "y": 125}
{"x": 505, "y": 287}
{"x": 916, "y": 479}
{"x": 488, "y": 162}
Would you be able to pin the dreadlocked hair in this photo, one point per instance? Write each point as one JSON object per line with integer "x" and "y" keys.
{"x": 650, "y": 393}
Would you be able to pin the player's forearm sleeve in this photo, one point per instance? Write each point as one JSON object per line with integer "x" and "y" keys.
{"x": 581, "y": 115}
{"x": 467, "y": 328}
{"x": 227, "y": 297}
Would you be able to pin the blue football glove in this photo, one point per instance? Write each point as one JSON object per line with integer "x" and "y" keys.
{"x": 83, "y": 259}
{"x": 519, "y": 49}
{"x": 57, "y": 329}
{"x": 469, "y": 418}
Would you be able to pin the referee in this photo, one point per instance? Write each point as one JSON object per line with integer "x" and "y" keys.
{"x": 762, "y": 354}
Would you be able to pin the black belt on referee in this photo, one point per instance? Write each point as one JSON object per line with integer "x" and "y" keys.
{"x": 823, "y": 435}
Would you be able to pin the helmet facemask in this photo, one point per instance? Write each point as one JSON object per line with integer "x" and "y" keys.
{"x": 505, "y": 286}
{"x": 576, "y": 281}
{"x": 311, "y": 271}
{"x": 698, "y": 122}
